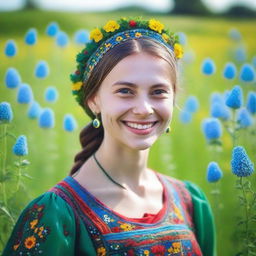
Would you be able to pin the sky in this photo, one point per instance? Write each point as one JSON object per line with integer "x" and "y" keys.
{"x": 101, "y": 5}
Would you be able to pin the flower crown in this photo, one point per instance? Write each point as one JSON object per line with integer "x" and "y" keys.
{"x": 111, "y": 34}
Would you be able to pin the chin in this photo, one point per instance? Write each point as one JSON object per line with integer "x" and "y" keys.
{"x": 140, "y": 145}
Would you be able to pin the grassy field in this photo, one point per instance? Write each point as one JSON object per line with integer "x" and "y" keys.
{"x": 183, "y": 153}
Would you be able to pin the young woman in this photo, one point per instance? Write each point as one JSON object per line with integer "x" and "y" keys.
{"x": 112, "y": 203}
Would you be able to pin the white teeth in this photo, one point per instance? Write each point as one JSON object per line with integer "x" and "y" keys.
{"x": 139, "y": 126}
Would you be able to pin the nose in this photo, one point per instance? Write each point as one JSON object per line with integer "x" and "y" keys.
{"x": 143, "y": 107}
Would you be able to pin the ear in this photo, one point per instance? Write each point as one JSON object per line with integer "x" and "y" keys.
{"x": 93, "y": 103}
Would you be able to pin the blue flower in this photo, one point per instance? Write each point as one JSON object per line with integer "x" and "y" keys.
{"x": 6, "y": 114}
{"x": 220, "y": 110}
{"x": 244, "y": 118}
{"x": 247, "y": 73}
{"x": 10, "y": 48}
{"x": 185, "y": 116}
{"x": 212, "y": 128}
{"x": 42, "y": 69}
{"x": 46, "y": 118}
{"x": 235, "y": 97}
{"x": 20, "y": 148}
{"x": 241, "y": 163}
{"x": 216, "y": 97}
{"x": 208, "y": 67}
{"x": 240, "y": 54}
{"x": 52, "y": 29}
{"x": 31, "y": 37}
{"x": 69, "y": 123}
{"x": 62, "y": 39}
{"x": 82, "y": 36}
{"x": 25, "y": 94}
{"x": 214, "y": 173}
{"x": 51, "y": 94}
{"x": 182, "y": 38}
{"x": 229, "y": 71}
{"x": 191, "y": 104}
{"x": 251, "y": 102}
{"x": 34, "y": 110}
{"x": 12, "y": 78}
{"x": 235, "y": 34}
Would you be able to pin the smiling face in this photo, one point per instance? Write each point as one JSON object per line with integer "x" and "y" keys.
{"x": 135, "y": 101}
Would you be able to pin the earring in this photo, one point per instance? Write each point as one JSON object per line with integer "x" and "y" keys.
{"x": 96, "y": 123}
{"x": 168, "y": 129}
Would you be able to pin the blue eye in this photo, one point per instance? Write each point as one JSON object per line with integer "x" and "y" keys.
{"x": 159, "y": 91}
{"x": 125, "y": 91}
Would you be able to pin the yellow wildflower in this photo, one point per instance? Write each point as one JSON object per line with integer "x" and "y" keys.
{"x": 178, "y": 50}
{"x": 165, "y": 37}
{"x": 77, "y": 86}
{"x": 119, "y": 38}
{"x": 111, "y": 26}
{"x": 101, "y": 251}
{"x": 96, "y": 35}
{"x": 138, "y": 34}
{"x": 156, "y": 25}
{"x": 33, "y": 223}
{"x": 30, "y": 242}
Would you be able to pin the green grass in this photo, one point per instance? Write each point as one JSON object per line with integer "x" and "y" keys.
{"x": 182, "y": 154}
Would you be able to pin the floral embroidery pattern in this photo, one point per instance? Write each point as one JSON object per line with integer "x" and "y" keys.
{"x": 31, "y": 232}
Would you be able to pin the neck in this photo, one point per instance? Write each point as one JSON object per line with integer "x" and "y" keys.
{"x": 127, "y": 166}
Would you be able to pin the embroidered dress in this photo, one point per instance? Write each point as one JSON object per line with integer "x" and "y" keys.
{"x": 68, "y": 220}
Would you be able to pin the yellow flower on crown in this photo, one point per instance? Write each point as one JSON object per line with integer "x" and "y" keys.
{"x": 178, "y": 51}
{"x": 156, "y": 25}
{"x": 77, "y": 86}
{"x": 96, "y": 35}
{"x": 111, "y": 26}
{"x": 165, "y": 37}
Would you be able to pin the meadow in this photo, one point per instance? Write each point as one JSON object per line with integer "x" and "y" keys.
{"x": 183, "y": 153}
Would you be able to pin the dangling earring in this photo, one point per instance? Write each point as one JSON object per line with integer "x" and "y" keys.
{"x": 168, "y": 129}
{"x": 96, "y": 122}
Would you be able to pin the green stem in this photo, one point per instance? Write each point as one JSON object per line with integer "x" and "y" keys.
{"x": 4, "y": 164}
{"x": 19, "y": 174}
{"x": 246, "y": 216}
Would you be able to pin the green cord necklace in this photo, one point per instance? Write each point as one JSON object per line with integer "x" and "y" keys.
{"x": 108, "y": 176}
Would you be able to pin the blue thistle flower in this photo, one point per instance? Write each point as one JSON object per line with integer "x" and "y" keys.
{"x": 191, "y": 104}
{"x": 212, "y": 128}
{"x": 235, "y": 97}
{"x": 10, "y": 48}
{"x": 31, "y": 37}
{"x": 82, "y": 37}
{"x": 62, "y": 39}
{"x": 216, "y": 97}
{"x": 25, "y": 94}
{"x": 240, "y": 54}
{"x": 6, "y": 114}
{"x": 42, "y": 69}
{"x": 244, "y": 118}
{"x": 182, "y": 37}
{"x": 251, "y": 102}
{"x": 220, "y": 110}
{"x": 34, "y": 110}
{"x": 214, "y": 173}
{"x": 235, "y": 34}
{"x": 247, "y": 73}
{"x": 185, "y": 116}
{"x": 241, "y": 163}
{"x": 20, "y": 148}
{"x": 46, "y": 118}
{"x": 69, "y": 123}
{"x": 208, "y": 67}
{"x": 51, "y": 94}
{"x": 229, "y": 71}
{"x": 52, "y": 29}
{"x": 12, "y": 78}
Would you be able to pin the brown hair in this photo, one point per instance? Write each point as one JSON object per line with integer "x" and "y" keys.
{"x": 90, "y": 137}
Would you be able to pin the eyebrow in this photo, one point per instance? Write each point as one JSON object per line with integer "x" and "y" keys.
{"x": 135, "y": 85}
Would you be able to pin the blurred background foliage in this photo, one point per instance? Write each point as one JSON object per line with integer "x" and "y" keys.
{"x": 184, "y": 153}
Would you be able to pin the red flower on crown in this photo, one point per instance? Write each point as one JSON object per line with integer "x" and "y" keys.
{"x": 132, "y": 23}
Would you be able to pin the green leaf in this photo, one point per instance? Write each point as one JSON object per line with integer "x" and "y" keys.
{"x": 25, "y": 162}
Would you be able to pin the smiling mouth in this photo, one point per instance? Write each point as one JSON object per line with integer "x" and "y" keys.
{"x": 140, "y": 126}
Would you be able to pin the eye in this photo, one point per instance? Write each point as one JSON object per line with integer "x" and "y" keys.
{"x": 160, "y": 92}
{"x": 125, "y": 91}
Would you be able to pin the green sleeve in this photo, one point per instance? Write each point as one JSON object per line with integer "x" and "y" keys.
{"x": 45, "y": 227}
{"x": 203, "y": 220}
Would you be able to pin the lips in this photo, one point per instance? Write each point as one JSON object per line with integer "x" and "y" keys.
{"x": 141, "y": 128}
